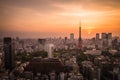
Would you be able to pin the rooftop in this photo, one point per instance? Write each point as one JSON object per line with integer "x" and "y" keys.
{"x": 45, "y": 65}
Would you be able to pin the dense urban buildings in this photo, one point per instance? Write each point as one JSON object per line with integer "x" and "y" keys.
{"x": 61, "y": 58}
{"x": 97, "y": 58}
{"x": 42, "y": 40}
{"x": 66, "y": 58}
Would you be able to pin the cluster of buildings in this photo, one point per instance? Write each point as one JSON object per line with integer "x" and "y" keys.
{"x": 104, "y": 64}
{"x": 104, "y": 42}
{"x": 38, "y": 68}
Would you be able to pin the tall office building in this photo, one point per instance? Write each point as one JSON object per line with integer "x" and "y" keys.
{"x": 41, "y": 41}
{"x": 66, "y": 38}
{"x": 41, "y": 44}
{"x": 97, "y": 36}
{"x": 104, "y": 36}
{"x": 80, "y": 40}
{"x": 71, "y": 36}
{"x": 109, "y": 35}
{"x": 8, "y": 54}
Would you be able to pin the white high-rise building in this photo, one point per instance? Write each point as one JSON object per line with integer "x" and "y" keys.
{"x": 62, "y": 76}
{"x": 49, "y": 48}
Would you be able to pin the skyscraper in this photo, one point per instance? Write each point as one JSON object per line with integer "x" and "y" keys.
{"x": 109, "y": 35}
{"x": 8, "y": 53}
{"x": 104, "y": 36}
{"x": 71, "y": 36}
{"x": 80, "y": 40}
{"x": 97, "y": 36}
{"x": 41, "y": 44}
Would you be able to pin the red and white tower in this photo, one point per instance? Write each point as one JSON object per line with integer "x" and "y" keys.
{"x": 80, "y": 40}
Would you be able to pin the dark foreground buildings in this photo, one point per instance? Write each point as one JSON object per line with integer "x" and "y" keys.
{"x": 44, "y": 69}
{"x": 45, "y": 65}
{"x": 8, "y": 54}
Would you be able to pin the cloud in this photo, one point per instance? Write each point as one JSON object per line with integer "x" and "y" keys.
{"x": 94, "y": 5}
{"x": 47, "y": 6}
{"x": 43, "y": 6}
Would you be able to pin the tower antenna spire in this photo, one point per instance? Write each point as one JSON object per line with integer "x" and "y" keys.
{"x": 80, "y": 30}
{"x": 80, "y": 40}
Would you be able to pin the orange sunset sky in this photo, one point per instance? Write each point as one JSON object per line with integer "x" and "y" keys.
{"x": 55, "y": 18}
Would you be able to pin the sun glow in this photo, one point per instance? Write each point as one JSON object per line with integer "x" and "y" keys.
{"x": 89, "y": 32}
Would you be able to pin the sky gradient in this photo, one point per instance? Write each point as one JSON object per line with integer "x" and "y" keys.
{"x": 55, "y": 18}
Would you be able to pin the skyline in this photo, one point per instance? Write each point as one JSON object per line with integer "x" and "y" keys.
{"x": 52, "y": 18}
